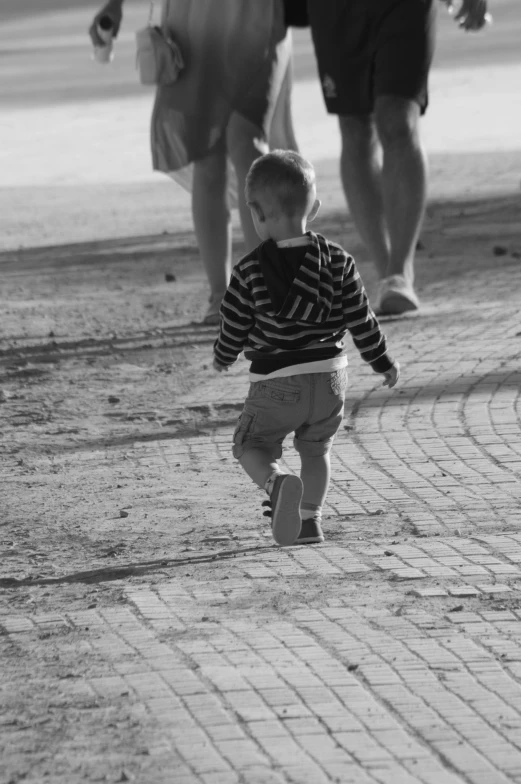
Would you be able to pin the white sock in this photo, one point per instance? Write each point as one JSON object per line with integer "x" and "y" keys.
{"x": 310, "y": 512}
{"x": 268, "y": 485}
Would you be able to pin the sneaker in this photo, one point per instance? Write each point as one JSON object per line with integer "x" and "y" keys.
{"x": 396, "y": 296}
{"x": 310, "y": 532}
{"x": 267, "y": 510}
{"x": 285, "y": 509}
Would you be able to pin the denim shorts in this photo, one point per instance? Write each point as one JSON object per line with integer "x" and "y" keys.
{"x": 310, "y": 405}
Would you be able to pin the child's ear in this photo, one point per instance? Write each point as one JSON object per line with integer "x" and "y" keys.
{"x": 314, "y": 210}
{"x": 257, "y": 211}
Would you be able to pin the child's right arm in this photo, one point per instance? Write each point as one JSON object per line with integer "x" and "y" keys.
{"x": 236, "y": 321}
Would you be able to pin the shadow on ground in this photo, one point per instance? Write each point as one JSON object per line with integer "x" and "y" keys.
{"x": 109, "y": 573}
{"x": 447, "y": 223}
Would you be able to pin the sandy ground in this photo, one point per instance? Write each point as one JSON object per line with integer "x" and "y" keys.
{"x": 132, "y": 547}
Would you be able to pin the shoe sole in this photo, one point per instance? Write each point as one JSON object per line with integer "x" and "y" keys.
{"x": 285, "y": 519}
{"x": 394, "y": 304}
{"x": 310, "y": 540}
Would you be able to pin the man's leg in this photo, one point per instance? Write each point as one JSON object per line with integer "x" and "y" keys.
{"x": 404, "y": 180}
{"x": 361, "y": 173}
{"x": 403, "y": 46}
{"x": 383, "y": 168}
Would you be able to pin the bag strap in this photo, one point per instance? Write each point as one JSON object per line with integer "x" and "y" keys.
{"x": 151, "y": 13}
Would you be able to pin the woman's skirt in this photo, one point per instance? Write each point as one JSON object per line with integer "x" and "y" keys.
{"x": 237, "y": 57}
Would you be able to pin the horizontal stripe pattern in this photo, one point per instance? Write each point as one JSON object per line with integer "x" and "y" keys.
{"x": 328, "y": 301}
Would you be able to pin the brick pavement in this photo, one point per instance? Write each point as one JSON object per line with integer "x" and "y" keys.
{"x": 391, "y": 653}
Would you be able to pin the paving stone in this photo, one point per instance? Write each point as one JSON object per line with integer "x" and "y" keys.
{"x": 15, "y": 624}
{"x": 493, "y": 588}
{"x": 463, "y": 590}
{"x": 50, "y": 620}
{"x": 407, "y": 573}
{"x": 428, "y": 592}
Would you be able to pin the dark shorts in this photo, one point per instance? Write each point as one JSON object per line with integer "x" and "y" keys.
{"x": 368, "y": 48}
{"x": 310, "y": 405}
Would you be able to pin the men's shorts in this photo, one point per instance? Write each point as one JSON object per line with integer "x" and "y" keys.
{"x": 369, "y": 48}
{"x": 310, "y": 405}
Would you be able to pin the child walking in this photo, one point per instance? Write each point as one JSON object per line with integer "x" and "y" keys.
{"x": 289, "y": 306}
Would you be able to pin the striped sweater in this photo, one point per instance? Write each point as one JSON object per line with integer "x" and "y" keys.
{"x": 287, "y": 306}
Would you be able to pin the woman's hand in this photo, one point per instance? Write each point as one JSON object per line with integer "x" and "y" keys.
{"x": 112, "y": 9}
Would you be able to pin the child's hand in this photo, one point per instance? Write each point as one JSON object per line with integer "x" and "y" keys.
{"x": 392, "y": 376}
{"x": 219, "y": 368}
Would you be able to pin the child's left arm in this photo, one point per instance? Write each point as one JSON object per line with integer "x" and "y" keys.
{"x": 392, "y": 375}
{"x": 236, "y": 322}
{"x": 363, "y": 324}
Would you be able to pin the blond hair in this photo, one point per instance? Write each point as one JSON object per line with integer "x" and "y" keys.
{"x": 281, "y": 182}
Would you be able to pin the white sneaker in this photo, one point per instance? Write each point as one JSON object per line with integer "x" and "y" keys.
{"x": 396, "y": 296}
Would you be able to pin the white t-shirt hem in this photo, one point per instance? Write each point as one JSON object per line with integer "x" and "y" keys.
{"x": 318, "y": 366}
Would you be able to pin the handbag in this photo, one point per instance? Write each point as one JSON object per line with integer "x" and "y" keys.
{"x": 158, "y": 57}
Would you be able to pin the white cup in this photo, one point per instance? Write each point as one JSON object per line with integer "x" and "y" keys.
{"x": 105, "y": 30}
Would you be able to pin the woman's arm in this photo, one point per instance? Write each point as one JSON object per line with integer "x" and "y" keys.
{"x": 114, "y": 10}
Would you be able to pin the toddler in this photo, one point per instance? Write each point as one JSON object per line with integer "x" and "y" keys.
{"x": 289, "y": 306}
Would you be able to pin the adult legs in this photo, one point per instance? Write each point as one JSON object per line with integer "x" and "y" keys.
{"x": 245, "y": 144}
{"x": 404, "y": 179}
{"x": 210, "y": 208}
{"x": 212, "y": 219}
{"x": 242, "y": 143}
{"x": 361, "y": 174}
{"x": 282, "y": 132}
{"x": 383, "y": 170}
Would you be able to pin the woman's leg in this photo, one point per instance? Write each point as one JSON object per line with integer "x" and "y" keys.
{"x": 245, "y": 144}
{"x": 212, "y": 219}
{"x": 270, "y": 123}
{"x": 282, "y": 132}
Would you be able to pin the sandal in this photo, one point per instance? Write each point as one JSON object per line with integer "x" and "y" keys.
{"x": 213, "y": 313}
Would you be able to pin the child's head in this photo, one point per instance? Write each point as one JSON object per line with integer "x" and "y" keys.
{"x": 281, "y": 193}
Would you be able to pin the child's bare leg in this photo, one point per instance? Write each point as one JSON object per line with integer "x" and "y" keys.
{"x": 259, "y": 464}
{"x": 315, "y": 474}
{"x": 284, "y": 490}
